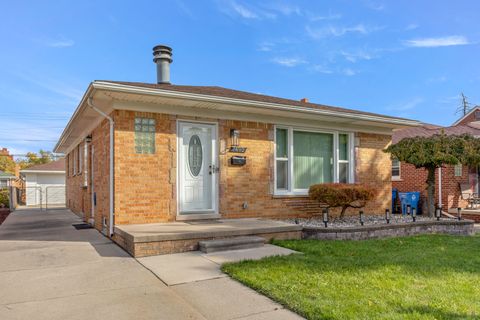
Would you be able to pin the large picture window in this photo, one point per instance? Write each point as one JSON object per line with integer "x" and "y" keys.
{"x": 304, "y": 158}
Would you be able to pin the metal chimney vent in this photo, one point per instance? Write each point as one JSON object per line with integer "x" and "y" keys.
{"x": 162, "y": 56}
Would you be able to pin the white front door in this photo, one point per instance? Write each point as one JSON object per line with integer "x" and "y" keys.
{"x": 197, "y": 168}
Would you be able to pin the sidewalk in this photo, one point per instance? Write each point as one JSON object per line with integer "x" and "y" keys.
{"x": 50, "y": 270}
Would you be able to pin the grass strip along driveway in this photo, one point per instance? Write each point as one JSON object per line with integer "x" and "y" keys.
{"x": 422, "y": 277}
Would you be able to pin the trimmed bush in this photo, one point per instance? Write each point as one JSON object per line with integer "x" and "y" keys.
{"x": 4, "y": 195}
{"x": 342, "y": 195}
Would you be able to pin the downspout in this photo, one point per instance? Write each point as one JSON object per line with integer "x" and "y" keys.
{"x": 112, "y": 125}
{"x": 440, "y": 187}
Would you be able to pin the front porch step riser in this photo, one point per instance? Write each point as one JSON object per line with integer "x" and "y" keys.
{"x": 145, "y": 249}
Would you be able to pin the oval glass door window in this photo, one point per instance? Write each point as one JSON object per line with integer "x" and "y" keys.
{"x": 195, "y": 155}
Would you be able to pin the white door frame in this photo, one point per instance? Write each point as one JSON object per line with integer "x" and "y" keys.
{"x": 211, "y": 214}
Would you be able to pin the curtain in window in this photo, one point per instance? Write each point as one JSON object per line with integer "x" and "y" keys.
{"x": 312, "y": 158}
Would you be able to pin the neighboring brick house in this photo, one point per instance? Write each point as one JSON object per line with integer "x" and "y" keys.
{"x": 193, "y": 152}
{"x": 405, "y": 177}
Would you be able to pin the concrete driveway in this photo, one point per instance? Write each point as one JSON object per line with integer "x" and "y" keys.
{"x": 50, "y": 270}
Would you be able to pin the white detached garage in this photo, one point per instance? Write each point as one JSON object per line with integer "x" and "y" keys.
{"x": 45, "y": 184}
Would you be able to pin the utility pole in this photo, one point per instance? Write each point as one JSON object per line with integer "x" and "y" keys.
{"x": 464, "y": 104}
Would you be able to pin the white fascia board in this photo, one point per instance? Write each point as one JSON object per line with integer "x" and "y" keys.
{"x": 43, "y": 171}
{"x": 186, "y": 113}
{"x": 200, "y": 97}
{"x": 64, "y": 134}
{"x": 7, "y": 177}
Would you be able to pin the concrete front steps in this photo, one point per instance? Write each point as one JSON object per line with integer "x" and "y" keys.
{"x": 246, "y": 242}
{"x": 142, "y": 240}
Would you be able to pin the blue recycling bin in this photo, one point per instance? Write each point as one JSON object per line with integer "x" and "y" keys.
{"x": 409, "y": 198}
{"x": 394, "y": 199}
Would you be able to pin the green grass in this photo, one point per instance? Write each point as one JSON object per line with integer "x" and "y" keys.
{"x": 422, "y": 277}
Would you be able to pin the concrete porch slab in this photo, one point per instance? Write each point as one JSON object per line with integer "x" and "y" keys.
{"x": 141, "y": 240}
{"x": 205, "y": 229}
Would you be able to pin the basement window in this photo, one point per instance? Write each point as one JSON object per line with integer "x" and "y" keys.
{"x": 144, "y": 135}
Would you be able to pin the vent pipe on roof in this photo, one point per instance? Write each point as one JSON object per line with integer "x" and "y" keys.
{"x": 162, "y": 56}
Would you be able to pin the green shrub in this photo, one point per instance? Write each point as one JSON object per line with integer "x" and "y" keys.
{"x": 4, "y": 195}
{"x": 342, "y": 195}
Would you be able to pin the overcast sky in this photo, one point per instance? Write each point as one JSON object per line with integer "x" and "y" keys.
{"x": 403, "y": 58}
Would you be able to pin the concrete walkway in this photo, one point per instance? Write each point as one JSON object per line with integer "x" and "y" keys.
{"x": 198, "y": 279}
{"x": 50, "y": 270}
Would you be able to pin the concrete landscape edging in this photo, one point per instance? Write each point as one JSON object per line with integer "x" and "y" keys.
{"x": 461, "y": 227}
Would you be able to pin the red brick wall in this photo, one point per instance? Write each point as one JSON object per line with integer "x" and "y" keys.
{"x": 413, "y": 179}
{"x": 468, "y": 119}
{"x": 145, "y": 185}
{"x": 78, "y": 197}
{"x": 373, "y": 167}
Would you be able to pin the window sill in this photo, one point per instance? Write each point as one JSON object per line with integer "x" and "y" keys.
{"x": 397, "y": 179}
{"x": 289, "y": 195}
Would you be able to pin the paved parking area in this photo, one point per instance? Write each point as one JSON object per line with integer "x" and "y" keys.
{"x": 50, "y": 270}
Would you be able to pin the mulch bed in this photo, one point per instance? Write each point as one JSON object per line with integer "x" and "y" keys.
{"x": 3, "y": 214}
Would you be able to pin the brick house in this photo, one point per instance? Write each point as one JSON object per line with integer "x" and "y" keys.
{"x": 405, "y": 177}
{"x": 145, "y": 153}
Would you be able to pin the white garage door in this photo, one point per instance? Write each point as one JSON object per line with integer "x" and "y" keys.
{"x": 45, "y": 189}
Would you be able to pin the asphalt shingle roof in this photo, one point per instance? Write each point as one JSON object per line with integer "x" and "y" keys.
{"x": 236, "y": 94}
{"x": 427, "y": 130}
{"x": 58, "y": 165}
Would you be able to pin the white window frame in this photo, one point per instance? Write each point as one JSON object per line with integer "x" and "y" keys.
{"x": 75, "y": 152}
{"x": 85, "y": 165}
{"x": 458, "y": 170}
{"x": 80, "y": 160}
{"x": 399, "y": 170}
{"x": 336, "y": 154}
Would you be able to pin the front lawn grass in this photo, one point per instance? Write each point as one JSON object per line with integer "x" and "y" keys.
{"x": 421, "y": 277}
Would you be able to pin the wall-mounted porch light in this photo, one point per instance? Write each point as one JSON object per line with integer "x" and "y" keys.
{"x": 414, "y": 214}
{"x": 235, "y": 141}
{"x": 387, "y": 215}
{"x": 459, "y": 213}
{"x": 235, "y": 137}
{"x": 362, "y": 220}
{"x": 88, "y": 139}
